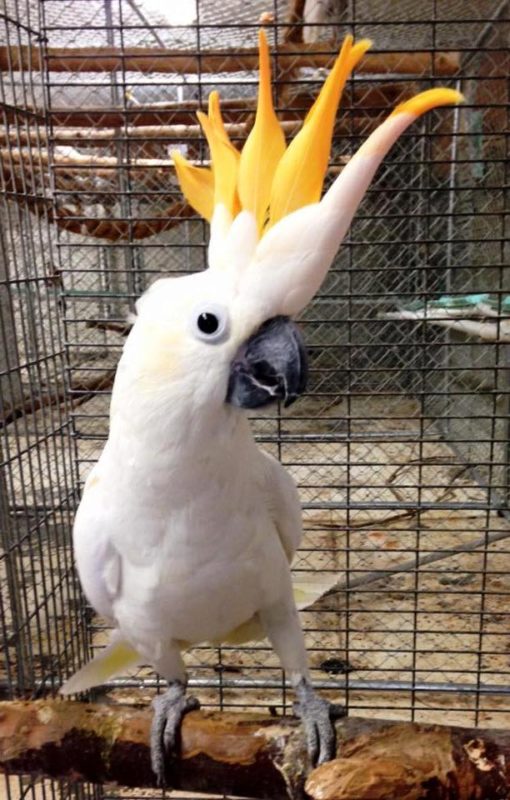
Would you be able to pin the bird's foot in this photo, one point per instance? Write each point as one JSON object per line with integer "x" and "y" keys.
{"x": 318, "y": 717}
{"x": 169, "y": 709}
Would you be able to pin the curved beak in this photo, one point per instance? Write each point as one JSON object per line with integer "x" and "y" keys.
{"x": 271, "y": 365}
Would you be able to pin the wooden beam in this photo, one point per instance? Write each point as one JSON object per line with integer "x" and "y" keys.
{"x": 160, "y": 113}
{"x": 180, "y": 118}
{"x": 149, "y": 117}
{"x": 79, "y": 173}
{"x": 255, "y": 756}
{"x": 166, "y": 60}
{"x": 92, "y": 137}
{"x": 110, "y": 229}
{"x": 295, "y": 12}
{"x": 80, "y": 161}
{"x": 371, "y": 99}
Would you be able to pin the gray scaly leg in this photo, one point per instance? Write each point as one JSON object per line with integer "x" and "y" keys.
{"x": 318, "y": 716}
{"x": 281, "y": 624}
{"x": 169, "y": 709}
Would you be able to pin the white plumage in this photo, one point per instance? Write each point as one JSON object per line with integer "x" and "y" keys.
{"x": 186, "y": 530}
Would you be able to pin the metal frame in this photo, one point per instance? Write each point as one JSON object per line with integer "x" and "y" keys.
{"x": 401, "y": 447}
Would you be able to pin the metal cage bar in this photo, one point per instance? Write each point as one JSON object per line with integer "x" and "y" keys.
{"x": 400, "y": 447}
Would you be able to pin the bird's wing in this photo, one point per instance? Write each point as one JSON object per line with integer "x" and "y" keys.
{"x": 285, "y": 509}
{"x": 284, "y": 505}
{"x": 97, "y": 559}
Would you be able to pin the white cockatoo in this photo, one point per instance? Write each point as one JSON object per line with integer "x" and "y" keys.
{"x": 186, "y": 530}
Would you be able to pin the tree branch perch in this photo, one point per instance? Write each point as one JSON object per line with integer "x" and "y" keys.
{"x": 255, "y": 756}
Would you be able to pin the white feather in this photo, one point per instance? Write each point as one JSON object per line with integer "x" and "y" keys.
{"x": 293, "y": 258}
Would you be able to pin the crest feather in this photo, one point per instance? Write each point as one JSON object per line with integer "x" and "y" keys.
{"x": 214, "y": 112}
{"x": 224, "y": 158}
{"x": 425, "y": 101}
{"x": 281, "y": 265}
{"x": 264, "y": 146}
{"x": 197, "y": 184}
{"x": 300, "y": 173}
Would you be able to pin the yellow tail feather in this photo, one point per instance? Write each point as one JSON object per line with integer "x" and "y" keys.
{"x": 114, "y": 659}
{"x": 306, "y": 592}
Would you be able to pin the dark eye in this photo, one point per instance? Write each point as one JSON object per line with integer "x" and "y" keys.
{"x": 209, "y": 322}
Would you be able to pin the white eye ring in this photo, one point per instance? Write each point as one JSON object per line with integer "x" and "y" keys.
{"x": 210, "y": 323}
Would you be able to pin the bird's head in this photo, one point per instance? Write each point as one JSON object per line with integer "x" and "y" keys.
{"x": 228, "y": 332}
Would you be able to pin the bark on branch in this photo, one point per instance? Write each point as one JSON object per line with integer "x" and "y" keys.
{"x": 165, "y": 60}
{"x": 255, "y": 756}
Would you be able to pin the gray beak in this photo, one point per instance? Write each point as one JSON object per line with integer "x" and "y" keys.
{"x": 271, "y": 365}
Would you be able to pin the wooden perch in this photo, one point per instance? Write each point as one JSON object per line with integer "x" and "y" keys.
{"x": 123, "y": 230}
{"x": 161, "y": 113}
{"x": 147, "y": 116}
{"x": 95, "y": 166}
{"x": 255, "y": 756}
{"x": 150, "y": 120}
{"x": 165, "y": 60}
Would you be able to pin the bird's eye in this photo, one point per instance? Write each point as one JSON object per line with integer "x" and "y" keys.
{"x": 210, "y": 323}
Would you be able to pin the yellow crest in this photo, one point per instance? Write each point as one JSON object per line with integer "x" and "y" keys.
{"x": 267, "y": 178}
{"x": 270, "y": 180}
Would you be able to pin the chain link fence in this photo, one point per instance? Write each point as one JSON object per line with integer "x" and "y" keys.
{"x": 400, "y": 447}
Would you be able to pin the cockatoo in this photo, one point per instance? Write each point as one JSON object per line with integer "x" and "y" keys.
{"x": 186, "y": 530}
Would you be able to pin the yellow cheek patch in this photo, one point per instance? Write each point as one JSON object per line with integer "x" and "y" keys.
{"x": 161, "y": 358}
{"x": 160, "y": 364}
{"x": 91, "y": 481}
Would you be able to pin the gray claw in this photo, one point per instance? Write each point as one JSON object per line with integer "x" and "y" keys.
{"x": 169, "y": 709}
{"x": 317, "y": 716}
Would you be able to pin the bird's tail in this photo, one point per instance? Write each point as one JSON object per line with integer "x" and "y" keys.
{"x": 112, "y": 660}
{"x": 120, "y": 656}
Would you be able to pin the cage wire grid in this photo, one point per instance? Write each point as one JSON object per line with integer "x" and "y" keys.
{"x": 400, "y": 446}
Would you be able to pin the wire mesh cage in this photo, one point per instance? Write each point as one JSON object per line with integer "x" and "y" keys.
{"x": 400, "y": 447}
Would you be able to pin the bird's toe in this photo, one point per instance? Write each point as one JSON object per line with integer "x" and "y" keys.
{"x": 169, "y": 710}
{"x": 317, "y": 716}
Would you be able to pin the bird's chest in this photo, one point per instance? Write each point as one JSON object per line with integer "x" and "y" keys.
{"x": 205, "y": 576}
{"x": 181, "y": 536}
